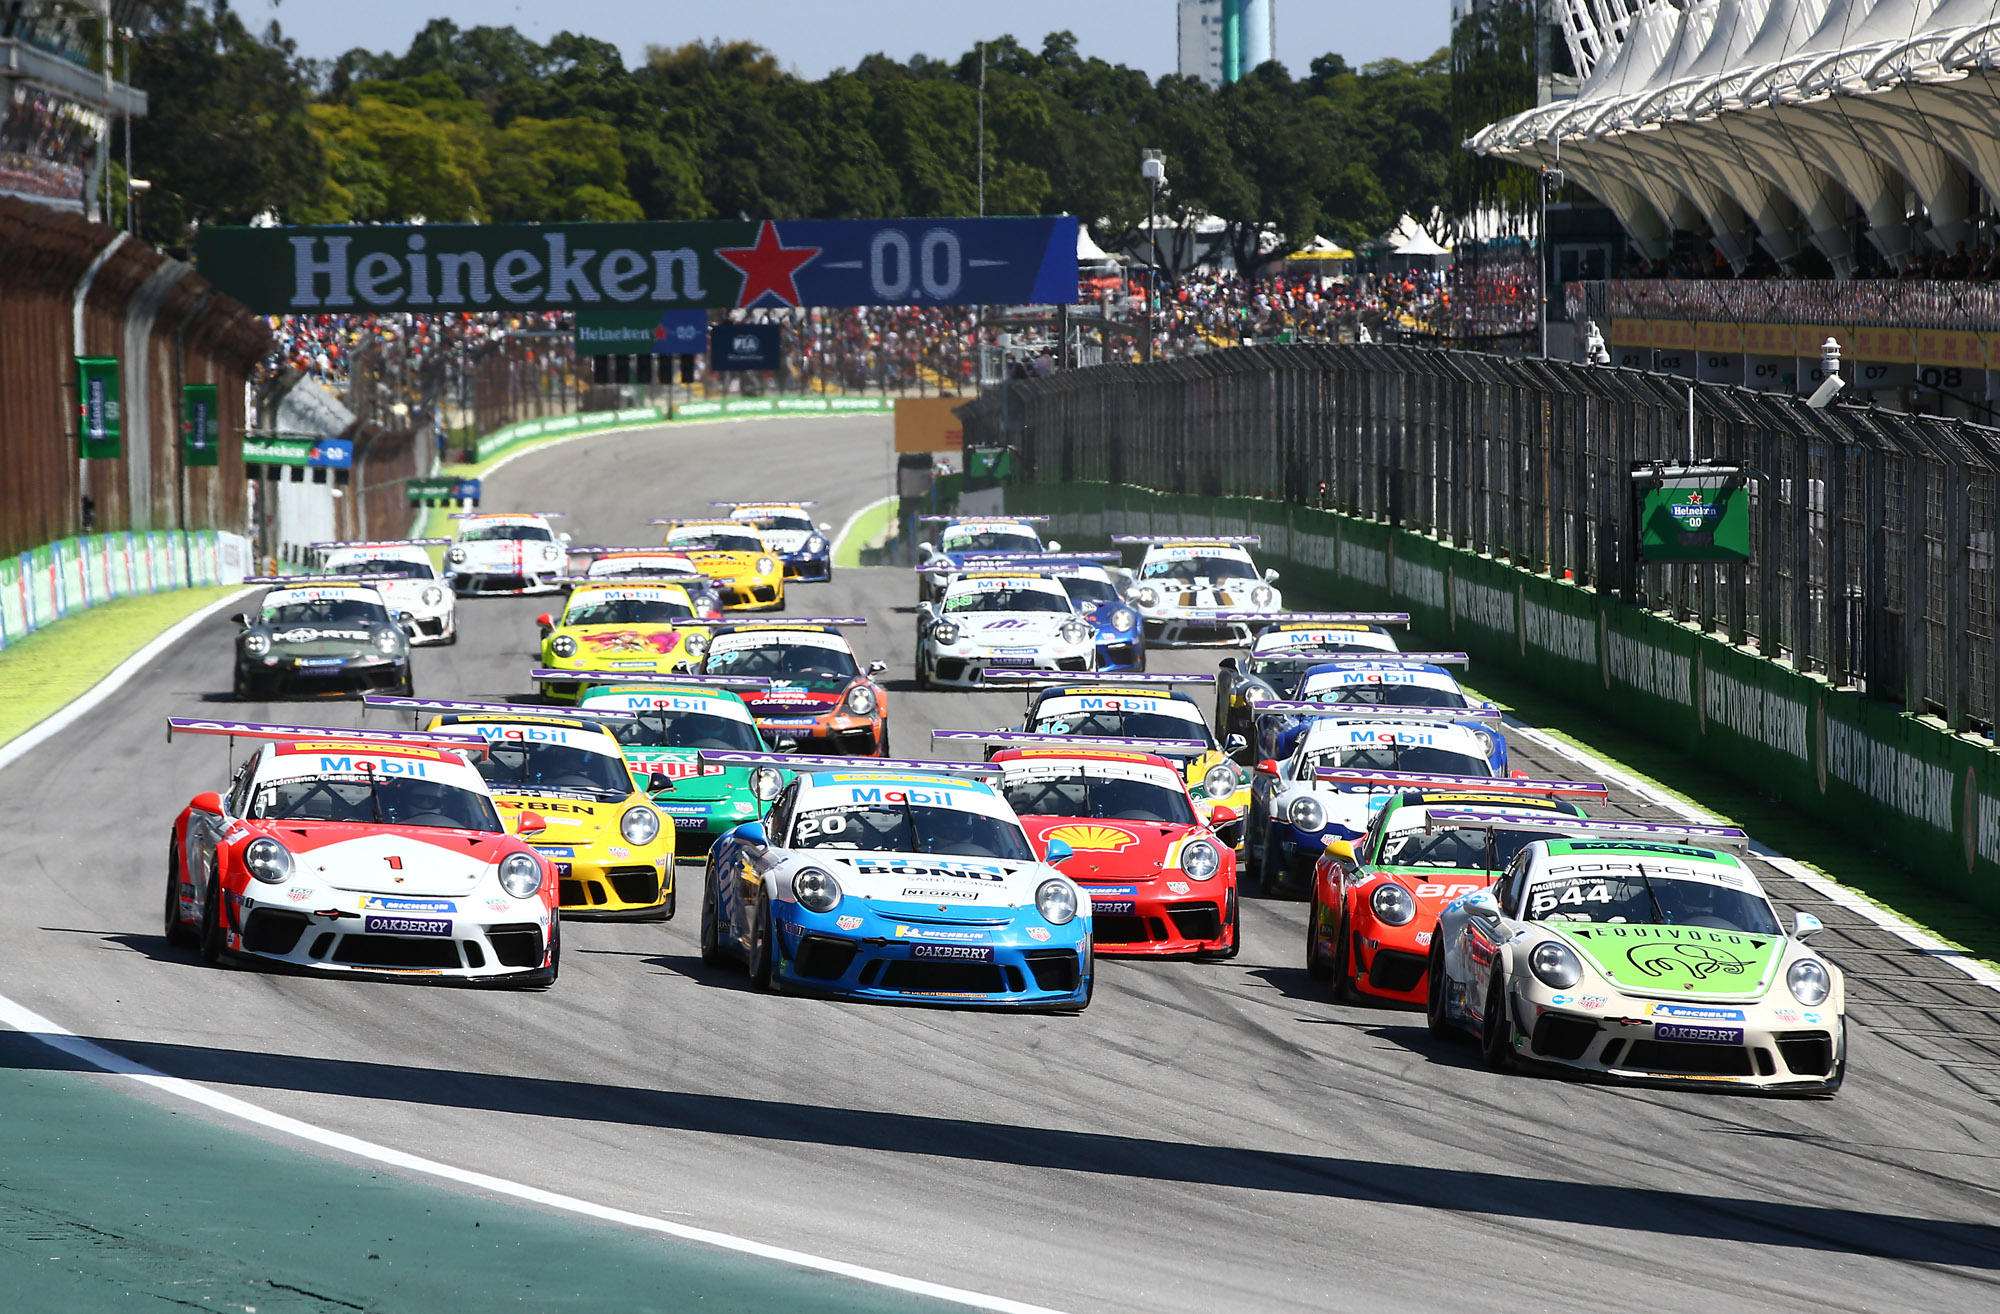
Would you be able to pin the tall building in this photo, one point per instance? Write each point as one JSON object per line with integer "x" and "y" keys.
{"x": 1221, "y": 40}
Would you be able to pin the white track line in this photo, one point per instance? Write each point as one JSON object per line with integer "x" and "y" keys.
{"x": 1914, "y": 936}
{"x": 119, "y": 676}
{"x": 847, "y": 526}
{"x": 34, "y": 1025}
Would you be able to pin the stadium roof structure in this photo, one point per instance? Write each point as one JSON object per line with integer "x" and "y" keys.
{"x": 1756, "y": 121}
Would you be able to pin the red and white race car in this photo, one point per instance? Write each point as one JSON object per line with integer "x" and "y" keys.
{"x": 363, "y": 852}
{"x": 1162, "y": 883}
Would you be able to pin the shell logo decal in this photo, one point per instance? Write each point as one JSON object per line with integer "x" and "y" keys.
{"x": 1100, "y": 839}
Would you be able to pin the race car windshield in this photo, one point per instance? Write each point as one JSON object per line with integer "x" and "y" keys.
{"x": 506, "y": 534}
{"x": 1398, "y": 757}
{"x": 1125, "y": 725}
{"x": 1199, "y": 568}
{"x": 1101, "y": 797}
{"x": 715, "y": 540}
{"x": 625, "y": 611}
{"x": 350, "y": 612}
{"x": 400, "y": 569}
{"x": 1016, "y": 541}
{"x": 1627, "y": 897}
{"x": 790, "y": 521}
{"x": 1082, "y": 589}
{"x": 551, "y": 768}
{"x": 783, "y": 660}
{"x": 1005, "y": 600}
{"x": 638, "y": 569}
{"x": 1394, "y": 695}
{"x": 1284, "y": 673}
{"x": 895, "y": 828}
{"x": 653, "y": 729}
{"x": 364, "y": 799}
{"x": 1461, "y": 850}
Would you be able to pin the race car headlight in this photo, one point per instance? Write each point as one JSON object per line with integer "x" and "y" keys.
{"x": 433, "y": 596}
{"x": 1307, "y": 814}
{"x": 562, "y": 646}
{"x": 1146, "y": 597}
{"x": 1123, "y": 619}
{"x": 815, "y": 545}
{"x": 389, "y": 641}
{"x": 1075, "y": 632}
{"x": 1261, "y": 596}
{"x": 1811, "y": 983}
{"x": 639, "y": 825}
{"x": 696, "y": 645}
{"x": 454, "y": 555}
{"x": 1200, "y": 860}
{"x": 256, "y": 644}
{"x": 1223, "y": 780}
{"x": 816, "y": 890}
{"x": 860, "y": 701}
{"x": 767, "y": 783}
{"x": 550, "y": 552}
{"x": 269, "y": 861}
{"x": 1487, "y": 742}
{"x": 944, "y": 633}
{"x": 766, "y": 565}
{"x": 1555, "y": 966}
{"x": 520, "y": 875}
{"x": 1056, "y": 901}
{"x": 1392, "y": 904}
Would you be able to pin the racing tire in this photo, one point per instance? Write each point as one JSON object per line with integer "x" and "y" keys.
{"x": 763, "y": 951}
{"x": 710, "y": 938}
{"x": 923, "y": 680}
{"x": 1252, "y": 872}
{"x": 882, "y": 749}
{"x": 1270, "y": 871}
{"x": 451, "y": 635}
{"x": 179, "y": 933}
{"x": 248, "y": 690}
{"x": 1496, "y": 1028}
{"x": 1318, "y": 968}
{"x": 211, "y": 923}
{"x": 1435, "y": 1016}
{"x": 408, "y": 687}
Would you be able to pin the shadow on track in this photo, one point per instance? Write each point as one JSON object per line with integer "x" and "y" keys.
{"x": 1670, "y": 1204}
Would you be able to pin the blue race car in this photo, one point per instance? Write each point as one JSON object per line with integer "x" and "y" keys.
{"x": 803, "y": 547}
{"x": 904, "y": 881}
{"x": 1121, "y": 640}
{"x": 1417, "y": 681}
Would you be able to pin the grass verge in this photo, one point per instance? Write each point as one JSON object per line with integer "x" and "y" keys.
{"x": 49, "y": 668}
{"x": 867, "y": 527}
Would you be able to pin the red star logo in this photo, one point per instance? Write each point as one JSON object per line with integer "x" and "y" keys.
{"x": 768, "y": 267}
{"x": 1694, "y": 499}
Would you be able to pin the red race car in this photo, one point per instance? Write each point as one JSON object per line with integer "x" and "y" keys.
{"x": 1162, "y": 883}
{"x": 1376, "y": 900}
{"x": 820, "y": 696}
{"x": 360, "y": 852}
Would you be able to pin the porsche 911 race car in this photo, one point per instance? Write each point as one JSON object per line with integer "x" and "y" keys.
{"x": 1000, "y": 621}
{"x": 820, "y": 697}
{"x": 1161, "y": 883}
{"x": 1130, "y": 706}
{"x": 360, "y": 852}
{"x": 746, "y": 571}
{"x": 611, "y": 626}
{"x": 675, "y": 716}
{"x": 963, "y": 538}
{"x": 1282, "y": 653}
{"x": 649, "y": 566}
{"x": 1416, "y": 681}
{"x": 802, "y": 545}
{"x": 500, "y": 552}
{"x": 1314, "y": 795}
{"x": 613, "y": 858}
{"x": 1638, "y": 953}
{"x": 1184, "y": 583}
{"x": 1376, "y": 900}
{"x": 904, "y": 881}
{"x": 319, "y": 635}
{"x": 1121, "y": 642}
{"x": 401, "y": 571}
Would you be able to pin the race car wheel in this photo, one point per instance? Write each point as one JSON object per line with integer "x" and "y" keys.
{"x": 882, "y": 749}
{"x": 1317, "y": 966}
{"x": 451, "y": 635}
{"x": 1496, "y": 1030}
{"x": 761, "y": 949}
{"x": 1235, "y": 945}
{"x": 712, "y": 953}
{"x": 408, "y": 688}
{"x": 211, "y": 923}
{"x": 249, "y": 690}
{"x": 547, "y": 976}
{"x": 923, "y": 678}
{"x": 179, "y": 933}
{"x": 1434, "y": 987}
{"x": 1341, "y": 970}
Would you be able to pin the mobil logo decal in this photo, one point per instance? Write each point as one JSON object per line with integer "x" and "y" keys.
{"x": 936, "y": 798}
{"x": 370, "y": 766}
{"x": 1373, "y": 735}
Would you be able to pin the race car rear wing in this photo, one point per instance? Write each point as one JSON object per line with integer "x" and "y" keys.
{"x": 308, "y": 581}
{"x": 380, "y": 542}
{"x": 1185, "y": 538}
{"x": 1025, "y": 738}
{"x": 1319, "y": 617}
{"x": 726, "y": 683}
{"x": 999, "y": 519}
{"x": 233, "y": 730}
{"x": 1134, "y": 678}
{"x": 637, "y": 581}
{"x": 1420, "y": 780}
{"x": 792, "y": 622}
{"x": 605, "y": 549}
{"x": 1042, "y": 558}
{"x": 503, "y": 515}
{"x": 1376, "y": 657}
{"x": 1375, "y": 710}
{"x": 817, "y": 762}
{"x": 1594, "y": 828}
{"x": 421, "y": 705}
{"x": 769, "y": 501}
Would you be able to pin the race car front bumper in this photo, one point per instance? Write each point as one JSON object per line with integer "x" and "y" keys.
{"x": 865, "y": 951}
{"x": 1151, "y": 919}
{"x": 859, "y": 736}
{"x": 600, "y": 889}
{"x": 807, "y": 567}
{"x": 489, "y": 940}
{"x": 1172, "y": 628}
{"x": 468, "y": 582}
{"x": 1121, "y": 652}
{"x": 275, "y": 677}
{"x": 1761, "y": 1046}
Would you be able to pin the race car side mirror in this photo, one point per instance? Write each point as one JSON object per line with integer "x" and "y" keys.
{"x": 658, "y": 781}
{"x": 1518, "y": 774}
{"x": 1054, "y": 546}
{"x": 876, "y": 668}
{"x": 1342, "y": 850}
{"x": 530, "y": 823}
{"x": 1235, "y": 742}
{"x": 1483, "y": 905}
{"x": 752, "y": 833}
{"x": 1058, "y": 853}
{"x": 1270, "y": 577}
{"x": 545, "y": 623}
{"x": 1227, "y": 664}
{"x": 1805, "y": 924}
{"x": 564, "y": 538}
{"x": 825, "y": 527}
{"x": 242, "y": 618}
{"x": 208, "y": 801}
{"x": 1222, "y": 815}
{"x": 1267, "y": 767}
{"x": 784, "y": 744}
{"x": 926, "y": 551}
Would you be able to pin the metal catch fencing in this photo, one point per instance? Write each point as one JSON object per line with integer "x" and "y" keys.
{"x": 1872, "y": 532}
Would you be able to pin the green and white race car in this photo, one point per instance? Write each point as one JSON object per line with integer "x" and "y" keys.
{"x": 1640, "y": 953}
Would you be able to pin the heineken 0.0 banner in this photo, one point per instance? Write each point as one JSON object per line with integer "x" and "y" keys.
{"x": 97, "y": 408}
{"x": 709, "y": 265}
{"x": 1693, "y": 514}
{"x": 201, "y": 425}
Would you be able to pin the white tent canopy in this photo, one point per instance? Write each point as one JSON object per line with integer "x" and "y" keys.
{"x": 1408, "y": 238}
{"x": 1089, "y": 252}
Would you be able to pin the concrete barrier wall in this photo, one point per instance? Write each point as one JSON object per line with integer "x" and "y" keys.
{"x": 1893, "y": 781}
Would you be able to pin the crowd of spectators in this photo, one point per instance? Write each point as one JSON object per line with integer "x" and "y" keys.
{"x": 1964, "y": 263}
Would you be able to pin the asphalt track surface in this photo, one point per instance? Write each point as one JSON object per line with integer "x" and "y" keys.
{"x": 1205, "y": 1137}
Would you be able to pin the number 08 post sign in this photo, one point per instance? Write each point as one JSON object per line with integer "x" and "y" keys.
{"x": 643, "y": 266}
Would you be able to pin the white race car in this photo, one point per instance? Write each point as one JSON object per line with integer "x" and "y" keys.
{"x": 401, "y": 571}
{"x": 1183, "y": 583}
{"x": 1641, "y": 953}
{"x": 1000, "y": 621}
{"x": 499, "y": 552}
{"x": 965, "y": 539}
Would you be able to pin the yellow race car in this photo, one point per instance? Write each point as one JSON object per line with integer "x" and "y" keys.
{"x": 612, "y": 850}
{"x": 616, "y": 625}
{"x": 735, "y": 555}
